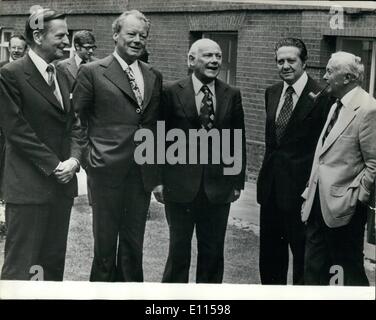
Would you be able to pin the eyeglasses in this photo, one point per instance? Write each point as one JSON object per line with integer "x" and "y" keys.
{"x": 88, "y": 47}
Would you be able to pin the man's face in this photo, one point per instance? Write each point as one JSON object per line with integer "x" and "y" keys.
{"x": 207, "y": 62}
{"x": 17, "y": 48}
{"x": 85, "y": 51}
{"x": 53, "y": 42}
{"x": 131, "y": 39}
{"x": 334, "y": 78}
{"x": 290, "y": 66}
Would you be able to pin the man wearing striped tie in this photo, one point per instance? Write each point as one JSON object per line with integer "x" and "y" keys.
{"x": 198, "y": 195}
{"x": 43, "y": 153}
{"x": 342, "y": 179}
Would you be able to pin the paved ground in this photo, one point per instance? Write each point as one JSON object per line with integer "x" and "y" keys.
{"x": 244, "y": 218}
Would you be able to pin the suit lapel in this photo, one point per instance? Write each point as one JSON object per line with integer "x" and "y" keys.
{"x": 149, "y": 80}
{"x": 72, "y": 67}
{"x": 273, "y": 103}
{"x": 64, "y": 90}
{"x": 186, "y": 96}
{"x": 347, "y": 115}
{"x": 221, "y": 101}
{"x": 35, "y": 79}
{"x": 117, "y": 76}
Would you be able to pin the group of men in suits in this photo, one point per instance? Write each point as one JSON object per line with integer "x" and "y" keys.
{"x": 50, "y": 136}
{"x": 318, "y": 171}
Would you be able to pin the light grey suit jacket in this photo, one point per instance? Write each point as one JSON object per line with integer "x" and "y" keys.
{"x": 344, "y": 166}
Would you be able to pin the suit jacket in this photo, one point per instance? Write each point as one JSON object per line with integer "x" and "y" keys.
{"x": 70, "y": 68}
{"x": 39, "y": 134}
{"x": 345, "y": 165}
{"x": 108, "y": 109}
{"x": 182, "y": 181}
{"x": 3, "y": 63}
{"x": 287, "y": 165}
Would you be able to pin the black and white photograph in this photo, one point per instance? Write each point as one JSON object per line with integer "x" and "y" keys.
{"x": 187, "y": 149}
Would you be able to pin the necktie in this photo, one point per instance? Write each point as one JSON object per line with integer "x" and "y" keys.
{"x": 284, "y": 114}
{"x": 134, "y": 86}
{"x": 51, "y": 82}
{"x": 333, "y": 119}
{"x": 207, "y": 109}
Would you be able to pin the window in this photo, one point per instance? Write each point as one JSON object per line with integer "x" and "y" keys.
{"x": 228, "y": 41}
{"x": 366, "y": 50}
{"x": 4, "y": 42}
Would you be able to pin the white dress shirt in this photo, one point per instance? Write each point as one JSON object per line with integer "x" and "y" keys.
{"x": 42, "y": 68}
{"x": 298, "y": 89}
{"x": 136, "y": 72}
{"x": 199, "y": 95}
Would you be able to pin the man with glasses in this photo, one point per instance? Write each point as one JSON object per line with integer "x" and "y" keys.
{"x": 84, "y": 45}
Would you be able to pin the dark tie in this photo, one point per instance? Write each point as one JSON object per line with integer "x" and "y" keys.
{"x": 134, "y": 86}
{"x": 333, "y": 119}
{"x": 51, "y": 82}
{"x": 284, "y": 114}
{"x": 207, "y": 109}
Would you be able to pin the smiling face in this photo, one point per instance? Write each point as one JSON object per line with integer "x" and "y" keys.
{"x": 290, "y": 66}
{"x": 17, "y": 48}
{"x": 131, "y": 39}
{"x": 206, "y": 61}
{"x": 335, "y": 79}
{"x": 51, "y": 43}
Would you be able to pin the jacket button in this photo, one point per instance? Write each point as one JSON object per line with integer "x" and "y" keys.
{"x": 138, "y": 110}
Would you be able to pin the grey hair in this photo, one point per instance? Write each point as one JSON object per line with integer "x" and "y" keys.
{"x": 118, "y": 23}
{"x": 196, "y": 45}
{"x": 349, "y": 63}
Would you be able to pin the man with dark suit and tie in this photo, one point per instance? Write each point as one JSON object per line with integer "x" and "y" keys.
{"x": 114, "y": 97}
{"x": 293, "y": 125}
{"x": 43, "y": 151}
{"x": 84, "y": 45}
{"x": 199, "y": 195}
{"x": 342, "y": 180}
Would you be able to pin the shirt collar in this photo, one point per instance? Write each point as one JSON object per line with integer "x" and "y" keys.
{"x": 78, "y": 59}
{"x": 346, "y": 99}
{"x": 197, "y": 85}
{"x": 11, "y": 59}
{"x": 298, "y": 85}
{"x": 123, "y": 64}
{"x": 38, "y": 61}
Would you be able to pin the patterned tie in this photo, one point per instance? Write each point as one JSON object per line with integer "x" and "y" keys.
{"x": 51, "y": 82}
{"x": 284, "y": 114}
{"x": 333, "y": 120}
{"x": 134, "y": 86}
{"x": 207, "y": 109}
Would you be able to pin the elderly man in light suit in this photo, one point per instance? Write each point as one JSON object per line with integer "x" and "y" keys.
{"x": 341, "y": 179}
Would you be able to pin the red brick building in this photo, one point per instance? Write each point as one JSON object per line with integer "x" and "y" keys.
{"x": 246, "y": 31}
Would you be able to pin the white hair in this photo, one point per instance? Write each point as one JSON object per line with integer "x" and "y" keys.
{"x": 348, "y": 63}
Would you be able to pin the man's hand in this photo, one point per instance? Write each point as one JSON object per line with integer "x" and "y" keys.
{"x": 66, "y": 170}
{"x": 158, "y": 193}
{"x": 236, "y": 194}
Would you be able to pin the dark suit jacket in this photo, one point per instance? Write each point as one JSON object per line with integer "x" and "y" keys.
{"x": 288, "y": 165}
{"x": 69, "y": 67}
{"x": 39, "y": 134}
{"x": 108, "y": 107}
{"x": 3, "y": 63}
{"x": 182, "y": 181}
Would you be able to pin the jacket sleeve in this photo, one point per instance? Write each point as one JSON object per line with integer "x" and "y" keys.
{"x": 18, "y": 131}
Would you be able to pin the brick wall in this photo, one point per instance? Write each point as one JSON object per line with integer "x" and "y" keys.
{"x": 259, "y": 27}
